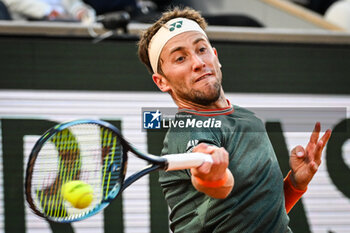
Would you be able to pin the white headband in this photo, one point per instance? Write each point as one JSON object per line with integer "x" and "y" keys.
{"x": 170, "y": 29}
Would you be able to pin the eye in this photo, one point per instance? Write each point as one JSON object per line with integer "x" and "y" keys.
{"x": 180, "y": 59}
{"x": 202, "y": 49}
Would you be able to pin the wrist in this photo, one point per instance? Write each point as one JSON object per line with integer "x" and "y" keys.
{"x": 291, "y": 179}
{"x": 212, "y": 184}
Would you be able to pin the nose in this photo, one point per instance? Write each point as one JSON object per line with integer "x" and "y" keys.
{"x": 197, "y": 62}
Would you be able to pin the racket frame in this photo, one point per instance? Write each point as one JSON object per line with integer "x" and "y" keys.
{"x": 155, "y": 163}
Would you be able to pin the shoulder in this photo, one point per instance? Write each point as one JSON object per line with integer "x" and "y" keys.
{"x": 238, "y": 110}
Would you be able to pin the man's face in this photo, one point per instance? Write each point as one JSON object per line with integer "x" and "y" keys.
{"x": 191, "y": 68}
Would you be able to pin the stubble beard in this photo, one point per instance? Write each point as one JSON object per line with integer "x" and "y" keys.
{"x": 204, "y": 97}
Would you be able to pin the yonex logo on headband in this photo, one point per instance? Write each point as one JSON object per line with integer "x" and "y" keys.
{"x": 177, "y": 24}
{"x": 170, "y": 29}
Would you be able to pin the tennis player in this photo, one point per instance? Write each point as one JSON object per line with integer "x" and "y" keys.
{"x": 243, "y": 190}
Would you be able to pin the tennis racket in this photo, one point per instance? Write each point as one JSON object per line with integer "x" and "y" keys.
{"x": 92, "y": 151}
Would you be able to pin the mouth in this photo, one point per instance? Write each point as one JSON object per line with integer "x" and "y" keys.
{"x": 202, "y": 77}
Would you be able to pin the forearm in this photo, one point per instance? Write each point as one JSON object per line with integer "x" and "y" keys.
{"x": 215, "y": 189}
{"x": 291, "y": 194}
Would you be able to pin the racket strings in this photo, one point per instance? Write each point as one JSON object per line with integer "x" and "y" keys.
{"x": 89, "y": 153}
{"x": 69, "y": 164}
{"x": 111, "y": 149}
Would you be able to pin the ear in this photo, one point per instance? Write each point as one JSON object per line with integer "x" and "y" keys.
{"x": 161, "y": 82}
{"x": 216, "y": 54}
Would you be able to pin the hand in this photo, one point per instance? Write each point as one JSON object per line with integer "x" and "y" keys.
{"x": 304, "y": 163}
{"x": 213, "y": 172}
{"x": 86, "y": 15}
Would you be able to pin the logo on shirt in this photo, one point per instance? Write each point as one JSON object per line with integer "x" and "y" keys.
{"x": 191, "y": 144}
{"x": 152, "y": 119}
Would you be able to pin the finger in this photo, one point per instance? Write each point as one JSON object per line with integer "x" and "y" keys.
{"x": 219, "y": 164}
{"x": 318, "y": 152}
{"x": 326, "y": 137}
{"x": 220, "y": 157}
{"x": 316, "y": 132}
{"x": 204, "y": 168}
{"x": 298, "y": 152}
{"x": 204, "y": 148}
{"x": 320, "y": 145}
{"x": 200, "y": 147}
{"x": 201, "y": 170}
{"x": 313, "y": 167}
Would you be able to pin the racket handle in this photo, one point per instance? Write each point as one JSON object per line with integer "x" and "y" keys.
{"x": 186, "y": 160}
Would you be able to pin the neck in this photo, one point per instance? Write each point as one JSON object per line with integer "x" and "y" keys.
{"x": 218, "y": 104}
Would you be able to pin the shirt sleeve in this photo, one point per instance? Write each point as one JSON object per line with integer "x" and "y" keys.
{"x": 291, "y": 194}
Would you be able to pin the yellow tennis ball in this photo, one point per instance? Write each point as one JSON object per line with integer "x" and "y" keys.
{"x": 78, "y": 193}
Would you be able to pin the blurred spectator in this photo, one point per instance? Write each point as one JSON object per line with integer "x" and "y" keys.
{"x": 237, "y": 20}
{"x": 234, "y": 20}
{"x": 52, "y": 10}
{"x": 133, "y": 7}
{"x": 106, "y": 6}
{"x": 163, "y": 5}
{"x": 139, "y": 10}
{"x": 4, "y": 14}
{"x": 318, "y": 6}
{"x": 339, "y": 14}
